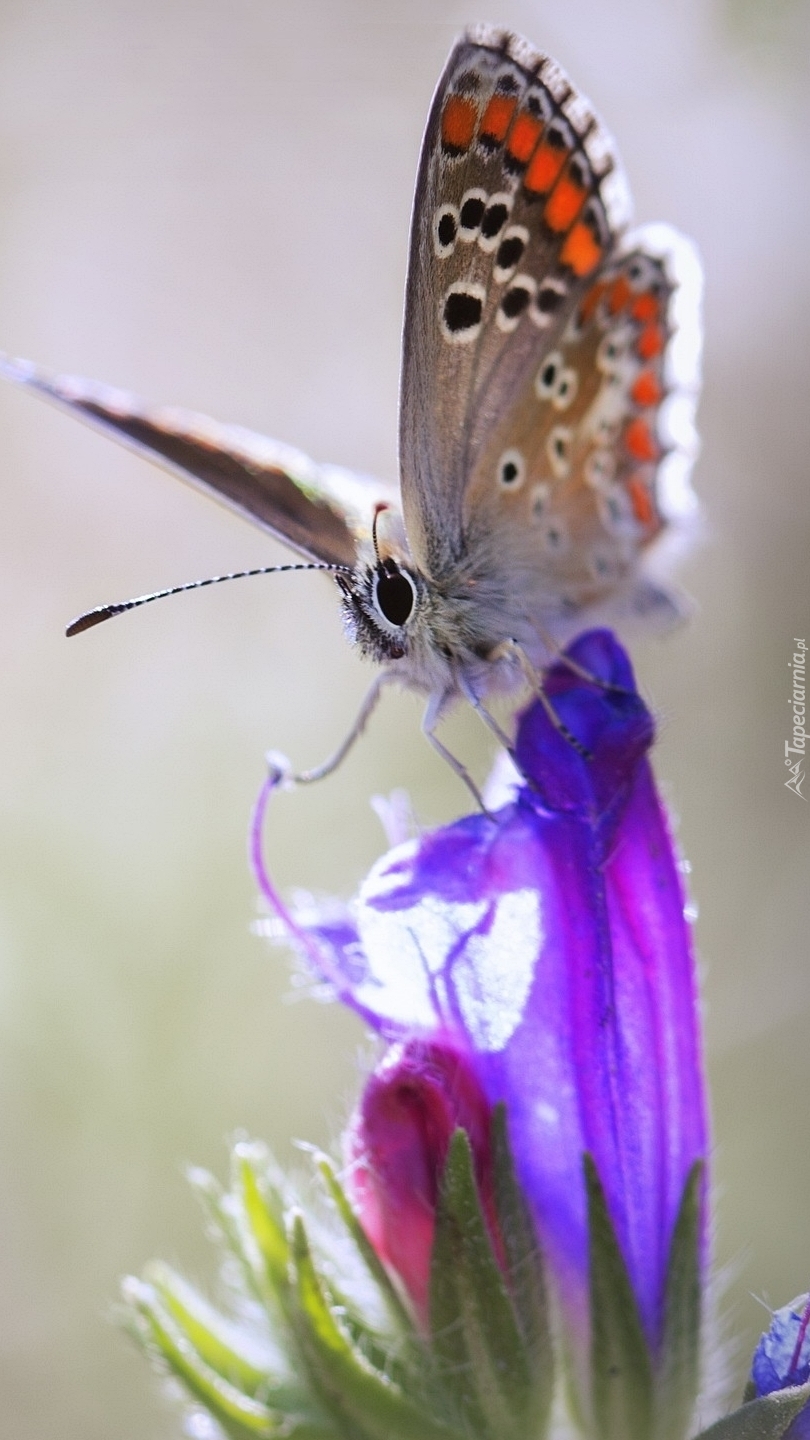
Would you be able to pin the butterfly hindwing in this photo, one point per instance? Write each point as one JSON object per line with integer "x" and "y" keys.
{"x": 578, "y": 477}
{"x": 319, "y": 511}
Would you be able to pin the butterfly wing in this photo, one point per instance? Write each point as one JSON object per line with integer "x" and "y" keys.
{"x": 581, "y": 492}
{"x": 320, "y": 511}
{"x": 511, "y": 396}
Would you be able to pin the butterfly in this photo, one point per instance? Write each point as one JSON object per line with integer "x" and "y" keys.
{"x": 549, "y": 379}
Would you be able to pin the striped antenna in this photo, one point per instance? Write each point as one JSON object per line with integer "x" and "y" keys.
{"x": 106, "y": 612}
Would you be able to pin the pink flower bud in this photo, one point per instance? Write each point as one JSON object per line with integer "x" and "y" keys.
{"x": 418, "y": 1096}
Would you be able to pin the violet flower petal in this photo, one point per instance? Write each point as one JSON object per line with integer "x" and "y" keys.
{"x": 782, "y": 1357}
{"x": 550, "y": 941}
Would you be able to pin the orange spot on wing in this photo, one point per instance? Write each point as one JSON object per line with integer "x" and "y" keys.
{"x": 646, "y": 391}
{"x": 641, "y": 501}
{"x": 581, "y": 251}
{"x": 564, "y": 204}
{"x": 640, "y": 442}
{"x": 650, "y": 342}
{"x": 459, "y": 119}
{"x": 645, "y": 307}
{"x": 497, "y": 117}
{"x": 591, "y": 301}
{"x": 523, "y": 136}
{"x": 546, "y": 164}
{"x": 620, "y": 293}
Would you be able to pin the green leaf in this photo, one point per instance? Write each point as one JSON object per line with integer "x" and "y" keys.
{"x": 473, "y": 1322}
{"x": 364, "y": 1401}
{"x": 621, "y": 1369}
{"x": 392, "y": 1301}
{"x": 678, "y": 1377}
{"x": 525, "y": 1271}
{"x": 766, "y": 1419}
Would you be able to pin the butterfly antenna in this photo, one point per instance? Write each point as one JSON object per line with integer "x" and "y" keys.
{"x": 106, "y": 612}
{"x": 378, "y": 510}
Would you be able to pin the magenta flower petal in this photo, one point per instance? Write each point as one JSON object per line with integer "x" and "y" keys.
{"x": 397, "y": 1145}
{"x": 550, "y": 945}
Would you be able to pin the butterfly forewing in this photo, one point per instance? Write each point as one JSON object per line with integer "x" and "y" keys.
{"x": 320, "y": 511}
{"x": 519, "y": 200}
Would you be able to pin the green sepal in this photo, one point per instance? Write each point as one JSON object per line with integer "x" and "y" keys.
{"x": 525, "y": 1273}
{"x": 215, "y": 1339}
{"x": 261, "y": 1206}
{"x": 678, "y": 1373}
{"x": 364, "y": 1401}
{"x": 241, "y": 1416}
{"x": 621, "y": 1367}
{"x": 769, "y": 1418}
{"x": 474, "y": 1326}
{"x": 397, "y": 1311}
{"x": 225, "y": 1224}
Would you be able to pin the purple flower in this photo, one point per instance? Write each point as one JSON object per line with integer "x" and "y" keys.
{"x": 548, "y": 945}
{"x": 782, "y": 1357}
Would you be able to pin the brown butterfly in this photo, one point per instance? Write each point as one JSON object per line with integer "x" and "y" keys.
{"x": 549, "y": 378}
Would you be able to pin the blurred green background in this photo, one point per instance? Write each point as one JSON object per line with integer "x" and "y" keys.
{"x": 208, "y": 203}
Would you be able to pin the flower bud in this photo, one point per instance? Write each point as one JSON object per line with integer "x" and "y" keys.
{"x": 398, "y": 1142}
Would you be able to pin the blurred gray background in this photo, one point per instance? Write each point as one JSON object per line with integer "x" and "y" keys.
{"x": 208, "y": 203}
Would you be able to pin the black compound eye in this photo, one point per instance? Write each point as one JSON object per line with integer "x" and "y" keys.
{"x": 395, "y": 597}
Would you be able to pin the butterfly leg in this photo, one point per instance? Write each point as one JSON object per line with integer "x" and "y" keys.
{"x": 559, "y": 654}
{"x": 480, "y": 709}
{"x": 364, "y": 714}
{"x": 535, "y": 680}
{"x": 430, "y": 720}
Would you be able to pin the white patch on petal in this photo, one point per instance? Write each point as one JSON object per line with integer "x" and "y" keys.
{"x": 408, "y": 949}
{"x": 493, "y": 976}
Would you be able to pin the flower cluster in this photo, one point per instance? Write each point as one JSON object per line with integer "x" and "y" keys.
{"x": 520, "y": 1248}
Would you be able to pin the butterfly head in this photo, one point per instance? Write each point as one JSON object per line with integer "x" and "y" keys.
{"x": 381, "y": 603}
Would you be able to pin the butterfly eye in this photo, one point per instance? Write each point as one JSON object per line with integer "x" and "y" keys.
{"x": 547, "y": 377}
{"x": 558, "y": 449}
{"x": 471, "y": 213}
{"x": 510, "y": 252}
{"x": 445, "y": 230}
{"x": 565, "y": 389}
{"x": 511, "y": 470}
{"x": 394, "y": 596}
